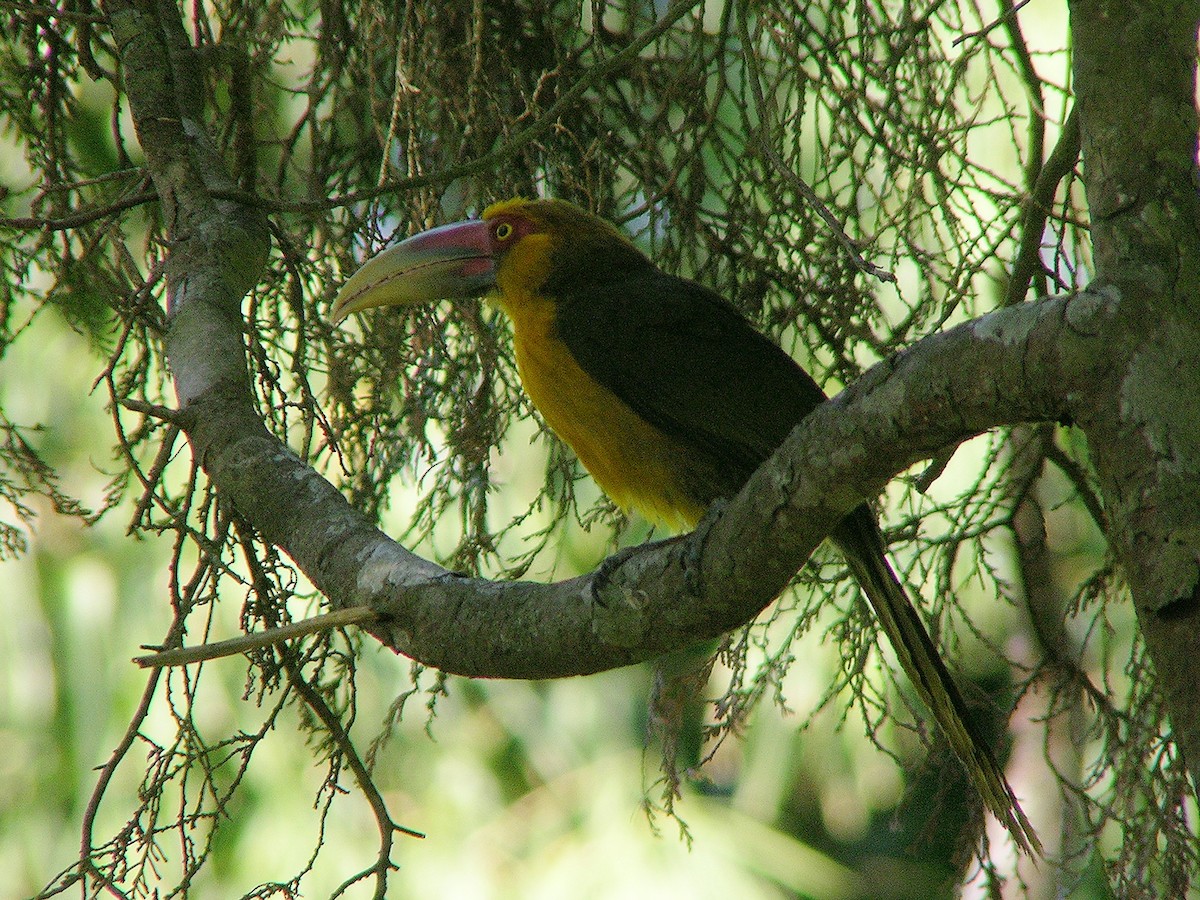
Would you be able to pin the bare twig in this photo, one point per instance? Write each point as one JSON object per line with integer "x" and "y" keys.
{"x": 182, "y": 656}
{"x": 799, "y": 184}
{"x": 1037, "y": 208}
{"x": 82, "y": 217}
{"x": 991, "y": 26}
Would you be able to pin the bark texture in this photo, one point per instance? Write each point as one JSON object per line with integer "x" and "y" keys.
{"x": 1139, "y": 124}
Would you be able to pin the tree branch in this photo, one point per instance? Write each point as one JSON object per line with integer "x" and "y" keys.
{"x": 244, "y": 643}
{"x": 1030, "y": 363}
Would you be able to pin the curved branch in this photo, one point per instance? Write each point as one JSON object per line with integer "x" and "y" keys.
{"x": 1030, "y": 363}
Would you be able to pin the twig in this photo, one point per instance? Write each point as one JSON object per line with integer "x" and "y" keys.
{"x": 82, "y": 217}
{"x": 937, "y": 465}
{"x": 56, "y": 12}
{"x": 1078, "y": 477}
{"x": 182, "y": 656}
{"x": 545, "y": 123}
{"x": 153, "y": 410}
{"x": 799, "y": 184}
{"x": 1058, "y": 165}
{"x": 994, "y": 24}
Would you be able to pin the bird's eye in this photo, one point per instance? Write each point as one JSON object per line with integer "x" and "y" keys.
{"x": 503, "y": 231}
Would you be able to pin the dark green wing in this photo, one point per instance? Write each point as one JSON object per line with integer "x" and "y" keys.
{"x": 687, "y": 362}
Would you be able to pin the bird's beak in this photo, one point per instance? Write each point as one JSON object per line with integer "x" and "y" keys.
{"x": 446, "y": 263}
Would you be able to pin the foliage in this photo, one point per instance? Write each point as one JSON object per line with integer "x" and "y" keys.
{"x": 759, "y": 148}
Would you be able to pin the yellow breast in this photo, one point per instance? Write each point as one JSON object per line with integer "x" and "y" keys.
{"x": 630, "y": 459}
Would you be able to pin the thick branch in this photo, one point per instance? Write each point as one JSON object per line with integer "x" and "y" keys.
{"x": 1031, "y": 363}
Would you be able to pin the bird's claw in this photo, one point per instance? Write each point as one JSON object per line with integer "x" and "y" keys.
{"x": 691, "y": 555}
{"x": 693, "y": 551}
{"x": 608, "y": 568}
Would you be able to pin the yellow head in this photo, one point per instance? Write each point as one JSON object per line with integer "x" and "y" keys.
{"x": 518, "y": 249}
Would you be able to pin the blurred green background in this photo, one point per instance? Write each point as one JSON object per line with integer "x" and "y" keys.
{"x": 523, "y": 789}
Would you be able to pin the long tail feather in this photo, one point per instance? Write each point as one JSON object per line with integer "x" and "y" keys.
{"x": 859, "y": 540}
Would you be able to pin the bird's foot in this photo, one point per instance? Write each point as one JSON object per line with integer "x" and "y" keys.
{"x": 608, "y": 568}
{"x": 691, "y": 556}
{"x": 693, "y": 551}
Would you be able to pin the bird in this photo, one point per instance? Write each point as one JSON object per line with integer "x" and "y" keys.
{"x": 667, "y": 394}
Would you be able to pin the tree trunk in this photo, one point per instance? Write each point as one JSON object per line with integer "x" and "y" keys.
{"x": 1143, "y": 416}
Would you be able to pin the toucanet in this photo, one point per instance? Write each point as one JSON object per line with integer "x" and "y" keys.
{"x": 667, "y": 394}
